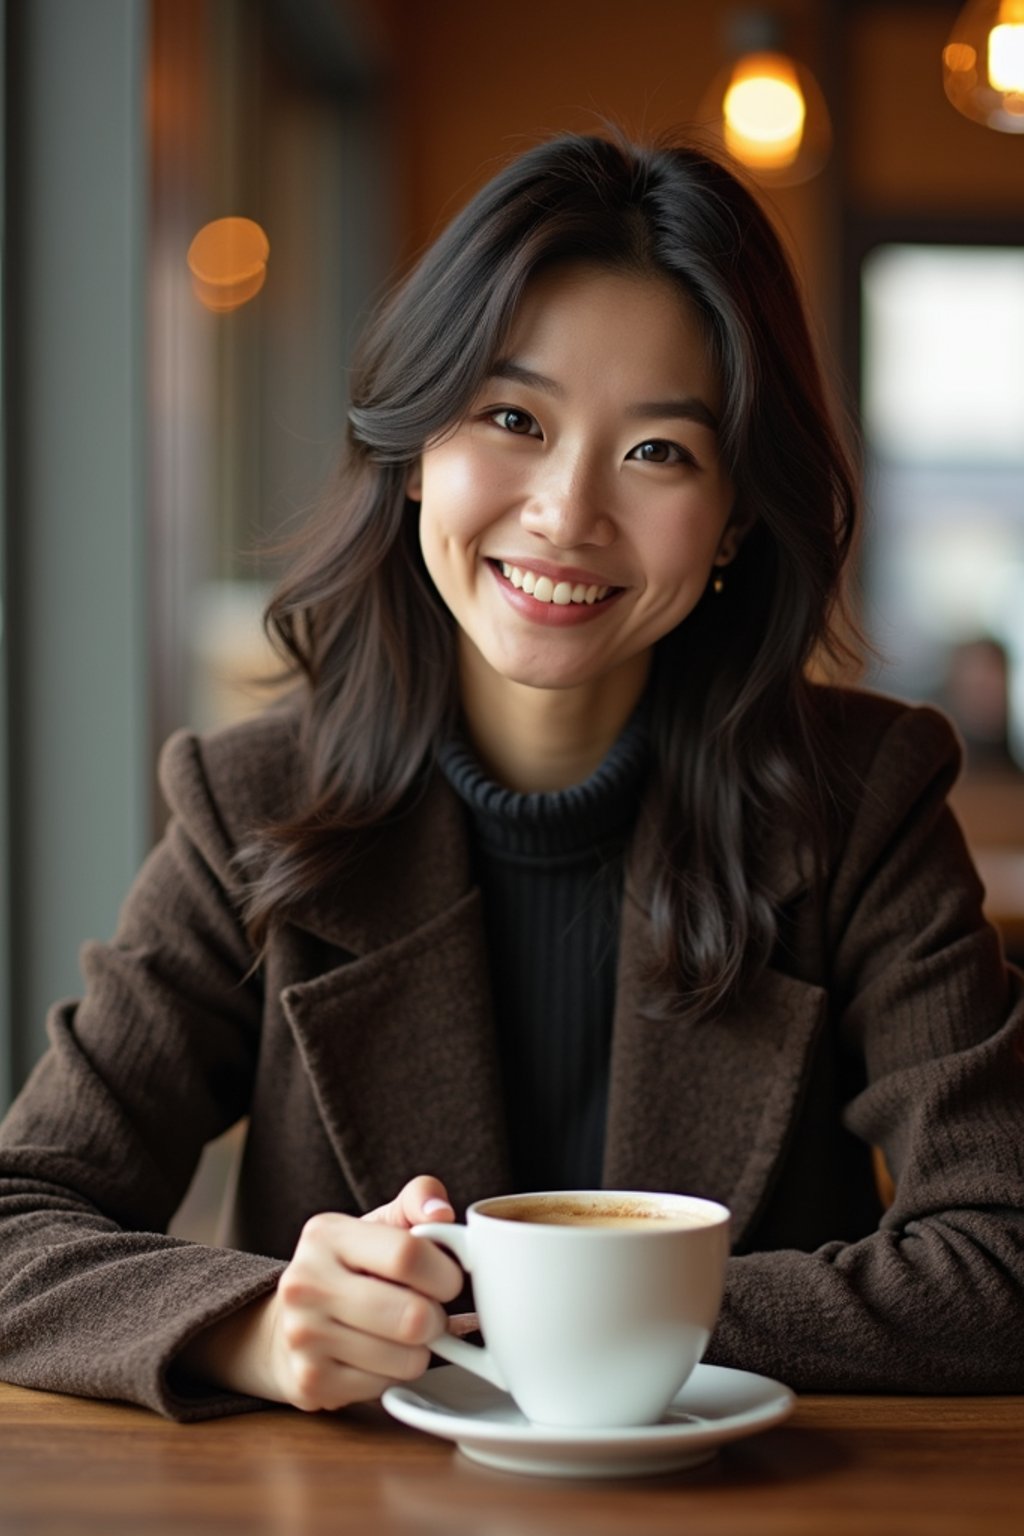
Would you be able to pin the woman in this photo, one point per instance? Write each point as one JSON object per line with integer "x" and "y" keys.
{"x": 555, "y": 872}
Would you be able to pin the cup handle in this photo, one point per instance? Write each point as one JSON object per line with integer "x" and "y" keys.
{"x": 472, "y": 1357}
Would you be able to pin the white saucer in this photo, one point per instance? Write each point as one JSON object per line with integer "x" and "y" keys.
{"x": 716, "y": 1405}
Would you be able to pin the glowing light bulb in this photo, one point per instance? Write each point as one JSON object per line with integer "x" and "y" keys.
{"x": 1006, "y": 49}
{"x": 764, "y": 112}
{"x": 983, "y": 64}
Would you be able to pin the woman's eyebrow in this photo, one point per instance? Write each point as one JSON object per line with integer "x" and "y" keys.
{"x": 506, "y": 368}
{"x": 690, "y": 408}
{"x": 687, "y": 408}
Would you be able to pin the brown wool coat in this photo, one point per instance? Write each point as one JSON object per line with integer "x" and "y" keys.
{"x": 363, "y": 1054}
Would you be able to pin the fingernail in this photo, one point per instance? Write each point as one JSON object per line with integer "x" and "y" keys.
{"x": 433, "y": 1206}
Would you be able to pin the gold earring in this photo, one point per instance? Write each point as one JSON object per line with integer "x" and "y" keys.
{"x": 718, "y": 585}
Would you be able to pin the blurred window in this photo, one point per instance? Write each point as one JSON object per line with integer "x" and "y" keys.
{"x": 268, "y": 119}
{"x": 943, "y": 413}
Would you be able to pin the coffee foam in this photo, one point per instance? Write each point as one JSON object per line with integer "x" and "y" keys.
{"x": 596, "y": 1213}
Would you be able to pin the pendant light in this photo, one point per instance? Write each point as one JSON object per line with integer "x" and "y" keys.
{"x": 765, "y": 108}
{"x": 983, "y": 64}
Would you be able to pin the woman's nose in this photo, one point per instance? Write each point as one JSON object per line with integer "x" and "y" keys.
{"x": 570, "y": 509}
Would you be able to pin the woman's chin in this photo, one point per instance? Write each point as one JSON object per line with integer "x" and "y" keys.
{"x": 545, "y": 676}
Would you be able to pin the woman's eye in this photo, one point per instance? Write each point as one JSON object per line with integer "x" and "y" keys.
{"x": 657, "y": 451}
{"x": 519, "y": 422}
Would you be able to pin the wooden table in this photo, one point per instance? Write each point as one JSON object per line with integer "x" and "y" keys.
{"x": 841, "y": 1466}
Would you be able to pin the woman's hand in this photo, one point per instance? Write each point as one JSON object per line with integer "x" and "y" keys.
{"x": 354, "y": 1311}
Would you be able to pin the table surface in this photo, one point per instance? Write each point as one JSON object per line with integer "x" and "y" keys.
{"x": 840, "y": 1466}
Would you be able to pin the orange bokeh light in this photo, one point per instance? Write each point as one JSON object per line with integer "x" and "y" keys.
{"x": 228, "y": 262}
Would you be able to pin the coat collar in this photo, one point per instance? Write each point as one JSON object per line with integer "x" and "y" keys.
{"x": 418, "y": 864}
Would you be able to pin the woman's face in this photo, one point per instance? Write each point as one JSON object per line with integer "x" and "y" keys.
{"x": 575, "y": 515}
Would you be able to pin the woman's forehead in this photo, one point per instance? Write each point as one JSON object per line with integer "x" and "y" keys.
{"x": 582, "y": 316}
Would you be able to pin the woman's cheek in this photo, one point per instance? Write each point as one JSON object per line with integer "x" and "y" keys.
{"x": 457, "y": 491}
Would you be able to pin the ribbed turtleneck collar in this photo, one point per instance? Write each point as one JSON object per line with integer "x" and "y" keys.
{"x": 556, "y": 823}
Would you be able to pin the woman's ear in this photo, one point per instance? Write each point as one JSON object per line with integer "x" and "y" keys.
{"x": 414, "y": 481}
{"x": 736, "y": 531}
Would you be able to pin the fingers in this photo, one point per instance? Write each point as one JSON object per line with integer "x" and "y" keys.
{"x": 318, "y": 1303}
{"x": 323, "y": 1385}
{"x": 390, "y": 1312}
{"x": 329, "y": 1364}
{"x": 352, "y": 1350}
{"x": 378, "y": 1249}
{"x": 327, "y": 1361}
{"x": 357, "y": 1308}
{"x": 422, "y": 1199}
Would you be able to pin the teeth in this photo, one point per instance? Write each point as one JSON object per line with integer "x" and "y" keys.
{"x": 543, "y": 590}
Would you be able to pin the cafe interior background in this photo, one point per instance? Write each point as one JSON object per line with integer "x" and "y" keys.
{"x": 174, "y": 385}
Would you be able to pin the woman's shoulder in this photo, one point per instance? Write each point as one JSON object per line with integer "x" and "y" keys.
{"x": 238, "y": 777}
{"x": 876, "y": 761}
{"x": 875, "y": 732}
{"x": 892, "y": 765}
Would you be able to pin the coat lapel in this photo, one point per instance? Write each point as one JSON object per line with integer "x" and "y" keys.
{"x": 705, "y": 1108}
{"x": 398, "y": 1040}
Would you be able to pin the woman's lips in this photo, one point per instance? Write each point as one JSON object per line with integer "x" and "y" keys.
{"x": 553, "y": 595}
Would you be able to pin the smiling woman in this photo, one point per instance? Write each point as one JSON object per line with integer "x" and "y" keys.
{"x": 554, "y": 871}
{"x": 604, "y": 290}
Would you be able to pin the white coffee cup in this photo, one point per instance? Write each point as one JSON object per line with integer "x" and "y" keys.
{"x": 595, "y": 1305}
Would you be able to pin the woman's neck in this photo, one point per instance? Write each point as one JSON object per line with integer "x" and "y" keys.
{"x": 532, "y": 739}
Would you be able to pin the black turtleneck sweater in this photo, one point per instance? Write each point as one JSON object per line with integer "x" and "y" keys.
{"x": 550, "y": 869}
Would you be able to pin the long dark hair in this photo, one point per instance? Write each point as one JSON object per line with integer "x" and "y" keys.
{"x": 737, "y": 745}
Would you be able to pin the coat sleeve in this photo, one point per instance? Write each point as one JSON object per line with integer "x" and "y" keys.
{"x": 99, "y": 1148}
{"x": 933, "y": 1301}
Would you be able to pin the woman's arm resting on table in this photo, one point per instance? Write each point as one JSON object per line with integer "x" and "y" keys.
{"x": 354, "y": 1311}
{"x": 932, "y": 1301}
{"x": 100, "y": 1146}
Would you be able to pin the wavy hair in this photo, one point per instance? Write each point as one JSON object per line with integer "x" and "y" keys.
{"x": 738, "y": 745}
